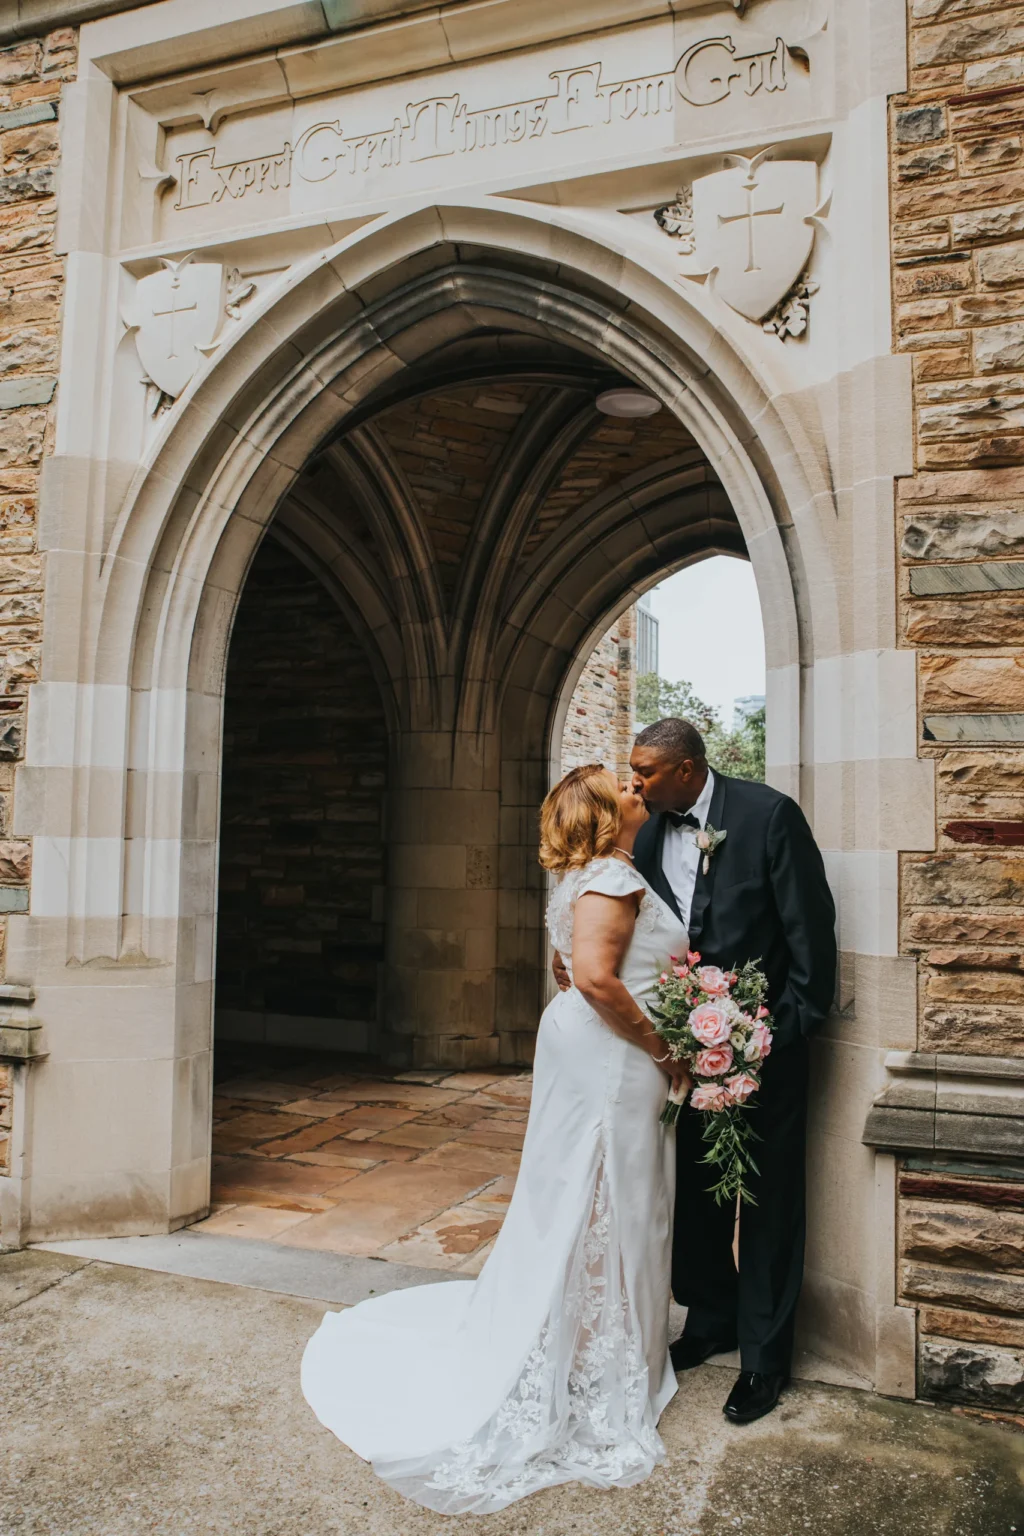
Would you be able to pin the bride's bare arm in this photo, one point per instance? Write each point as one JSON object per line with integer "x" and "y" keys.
{"x": 602, "y": 929}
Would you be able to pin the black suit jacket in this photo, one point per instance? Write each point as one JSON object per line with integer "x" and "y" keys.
{"x": 765, "y": 898}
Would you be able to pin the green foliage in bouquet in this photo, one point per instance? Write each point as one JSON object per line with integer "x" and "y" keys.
{"x": 716, "y": 1022}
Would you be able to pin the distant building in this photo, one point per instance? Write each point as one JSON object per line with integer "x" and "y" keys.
{"x": 744, "y": 707}
{"x": 646, "y": 636}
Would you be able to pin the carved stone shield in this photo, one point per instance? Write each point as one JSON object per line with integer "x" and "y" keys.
{"x": 751, "y": 228}
{"x": 177, "y": 312}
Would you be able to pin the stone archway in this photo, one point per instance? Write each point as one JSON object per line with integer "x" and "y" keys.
{"x": 462, "y": 294}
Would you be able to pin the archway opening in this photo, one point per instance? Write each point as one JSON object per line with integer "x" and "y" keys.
{"x": 692, "y": 645}
{"x": 395, "y": 673}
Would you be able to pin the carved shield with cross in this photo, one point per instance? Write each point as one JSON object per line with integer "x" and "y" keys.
{"x": 751, "y": 228}
{"x": 177, "y": 311}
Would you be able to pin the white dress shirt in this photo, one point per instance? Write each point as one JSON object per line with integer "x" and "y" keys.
{"x": 680, "y": 856}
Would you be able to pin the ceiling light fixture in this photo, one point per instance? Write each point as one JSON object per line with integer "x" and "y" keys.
{"x": 627, "y": 402}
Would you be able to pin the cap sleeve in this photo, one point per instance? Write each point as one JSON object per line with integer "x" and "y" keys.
{"x": 610, "y": 877}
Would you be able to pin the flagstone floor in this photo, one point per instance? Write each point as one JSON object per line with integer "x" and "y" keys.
{"x": 414, "y": 1167}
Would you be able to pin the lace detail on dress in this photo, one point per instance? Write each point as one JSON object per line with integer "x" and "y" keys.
{"x": 580, "y": 1408}
{"x": 611, "y": 878}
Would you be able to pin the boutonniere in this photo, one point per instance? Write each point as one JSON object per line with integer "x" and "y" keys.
{"x": 709, "y": 841}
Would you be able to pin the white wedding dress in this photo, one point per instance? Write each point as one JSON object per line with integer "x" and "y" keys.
{"x": 553, "y": 1365}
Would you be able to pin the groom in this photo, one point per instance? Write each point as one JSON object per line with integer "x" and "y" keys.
{"x": 764, "y": 897}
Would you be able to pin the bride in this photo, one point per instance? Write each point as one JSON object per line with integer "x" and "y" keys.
{"x": 553, "y": 1365}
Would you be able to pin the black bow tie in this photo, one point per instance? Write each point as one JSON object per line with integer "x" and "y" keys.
{"x": 683, "y": 819}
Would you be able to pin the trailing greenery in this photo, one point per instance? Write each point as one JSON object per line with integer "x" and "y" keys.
{"x": 739, "y": 753}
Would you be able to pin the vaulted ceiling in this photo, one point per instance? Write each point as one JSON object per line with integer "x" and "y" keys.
{"x": 449, "y": 516}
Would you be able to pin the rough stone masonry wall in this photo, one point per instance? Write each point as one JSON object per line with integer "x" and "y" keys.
{"x": 957, "y": 142}
{"x": 599, "y": 723}
{"x": 299, "y": 930}
{"x": 31, "y": 285}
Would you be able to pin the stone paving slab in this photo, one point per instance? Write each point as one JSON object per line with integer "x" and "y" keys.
{"x": 138, "y": 1402}
{"x": 266, "y": 1266}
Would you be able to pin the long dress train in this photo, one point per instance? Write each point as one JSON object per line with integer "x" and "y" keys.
{"x": 553, "y": 1365}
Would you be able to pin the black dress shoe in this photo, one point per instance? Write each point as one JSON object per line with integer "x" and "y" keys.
{"x": 753, "y": 1396}
{"x": 688, "y": 1352}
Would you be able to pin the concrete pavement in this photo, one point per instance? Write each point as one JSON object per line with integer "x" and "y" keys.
{"x": 144, "y": 1402}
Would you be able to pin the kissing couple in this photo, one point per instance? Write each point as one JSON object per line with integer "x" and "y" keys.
{"x": 554, "y": 1365}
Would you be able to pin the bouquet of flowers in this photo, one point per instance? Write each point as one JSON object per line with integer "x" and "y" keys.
{"x": 716, "y": 1022}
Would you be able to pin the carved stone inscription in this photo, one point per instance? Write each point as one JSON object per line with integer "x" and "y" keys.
{"x": 445, "y": 125}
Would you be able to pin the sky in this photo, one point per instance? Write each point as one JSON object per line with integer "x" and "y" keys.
{"x": 709, "y": 631}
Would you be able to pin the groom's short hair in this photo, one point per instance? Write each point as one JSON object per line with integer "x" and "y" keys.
{"x": 676, "y": 738}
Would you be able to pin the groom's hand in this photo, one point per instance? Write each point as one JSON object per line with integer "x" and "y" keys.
{"x": 560, "y": 973}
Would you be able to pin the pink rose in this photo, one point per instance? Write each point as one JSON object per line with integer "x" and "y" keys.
{"x": 741, "y": 1086}
{"x": 759, "y": 1045}
{"x": 703, "y": 841}
{"x": 682, "y": 971}
{"x": 714, "y": 981}
{"x": 714, "y": 1062}
{"x": 710, "y": 1096}
{"x": 711, "y": 1024}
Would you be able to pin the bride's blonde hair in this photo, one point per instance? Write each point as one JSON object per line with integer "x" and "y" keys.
{"x": 580, "y": 818}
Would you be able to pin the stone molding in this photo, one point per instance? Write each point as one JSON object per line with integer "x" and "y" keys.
{"x": 944, "y": 1103}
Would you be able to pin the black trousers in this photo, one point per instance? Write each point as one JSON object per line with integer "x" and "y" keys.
{"x": 757, "y": 1304}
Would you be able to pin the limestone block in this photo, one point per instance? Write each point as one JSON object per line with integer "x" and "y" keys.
{"x": 28, "y": 349}
{"x": 12, "y": 729}
{"x": 940, "y": 362}
{"x": 970, "y": 1373}
{"x": 992, "y": 72}
{"x": 945, "y": 277}
{"x": 978, "y": 1327}
{"x": 954, "y": 488}
{"x": 964, "y": 1236}
{"x": 987, "y": 224}
{"x": 920, "y": 125}
{"x": 979, "y": 576}
{"x": 963, "y": 535}
{"x": 23, "y": 149}
{"x": 920, "y": 237}
{"x": 15, "y": 861}
{"x": 21, "y": 574}
{"x": 987, "y": 308}
{"x": 926, "y": 314}
{"x": 970, "y": 928}
{"x": 39, "y": 181}
{"x": 988, "y": 1029}
{"x": 1002, "y": 266}
{"x": 998, "y": 807}
{"x": 976, "y": 682}
{"x": 989, "y": 153}
{"x": 21, "y": 436}
{"x": 999, "y": 348}
{"x": 982, "y": 772}
{"x": 22, "y": 62}
{"x": 25, "y": 229}
{"x": 976, "y": 986}
{"x": 26, "y": 389}
{"x": 956, "y": 42}
{"x": 60, "y": 53}
{"x": 930, "y": 160}
{"x": 33, "y": 302}
{"x": 964, "y": 880}
{"x": 960, "y": 1287}
{"x": 981, "y": 622}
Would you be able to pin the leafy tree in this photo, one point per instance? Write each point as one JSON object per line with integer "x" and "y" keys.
{"x": 739, "y": 753}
